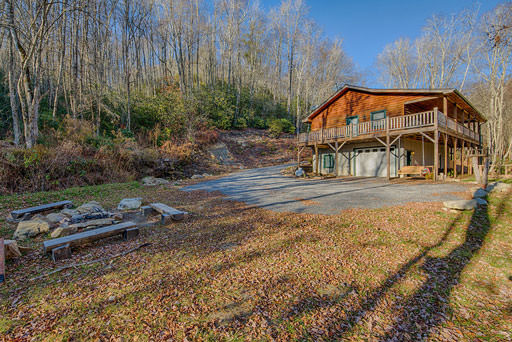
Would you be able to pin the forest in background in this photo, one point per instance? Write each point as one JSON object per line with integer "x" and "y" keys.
{"x": 470, "y": 51}
{"x": 165, "y": 65}
{"x": 110, "y": 85}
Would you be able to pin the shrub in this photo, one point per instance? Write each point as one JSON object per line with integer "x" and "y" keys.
{"x": 278, "y": 126}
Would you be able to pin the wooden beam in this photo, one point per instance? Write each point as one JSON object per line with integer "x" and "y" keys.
{"x": 445, "y": 155}
{"x": 388, "y": 156}
{"x": 462, "y": 159}
{"x": 455, "y": 143}
{"x": 445, "y": 106}
{"x": 317, "y": 161}
{"x": 436, "y": 155}
{"x": 336, "y": 159}
{"x": 336, "y": 147}
{"x": 426, "y": 136}
{"x": 382, "y": 142}
{"x": 398, "y": 137}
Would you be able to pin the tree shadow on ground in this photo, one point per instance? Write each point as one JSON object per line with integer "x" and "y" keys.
{"x": 428, "y": 307}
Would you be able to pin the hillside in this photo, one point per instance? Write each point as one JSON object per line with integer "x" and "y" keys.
{"x": 78, "y": 160}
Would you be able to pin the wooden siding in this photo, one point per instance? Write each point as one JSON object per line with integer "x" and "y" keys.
{"x": 362, "y": 104}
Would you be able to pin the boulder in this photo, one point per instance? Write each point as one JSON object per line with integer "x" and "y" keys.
{"x": 196, "y": 176}
{"x": 151, "y": 181}
{"x": 31, "y": 228}
{"x": 69, "y": 212}
{"x": 130, "y": 203}
{"x": 300, "y": 172}
{"x": 480, "y": 201}
{"x": 480, "y": 193}
{"x": 55, "y": 217}
{"x": 221, "y": 154}
{"x": 90, "y": 207}
{"x": 461, "y": 204}
{"x": 11, "y": 249}
{"x": 499, "y": 187}
{"x": 63, "y": 231}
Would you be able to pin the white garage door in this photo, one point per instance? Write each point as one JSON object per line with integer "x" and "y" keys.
{"x": 372, "y": 162}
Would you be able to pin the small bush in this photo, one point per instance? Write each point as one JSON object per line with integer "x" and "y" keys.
{"x": 278, "y": 126}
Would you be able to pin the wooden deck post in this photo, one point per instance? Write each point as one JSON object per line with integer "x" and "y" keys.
{"x": 445, "y": 155}
{"x": 317, "y": 161}
{"x": 336, "y": 173}
{"x": 462, "y": 158}
{"x": 388, "y": 149}
{"x": 455, "y": 143}
{"x": 468, "y": 160}
{"x": 436, "y": 144}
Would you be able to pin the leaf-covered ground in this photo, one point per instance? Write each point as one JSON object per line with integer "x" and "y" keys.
{"x": 232, "y": 272}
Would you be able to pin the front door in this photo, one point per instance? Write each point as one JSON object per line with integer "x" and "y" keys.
{"x": 354, "y": 121}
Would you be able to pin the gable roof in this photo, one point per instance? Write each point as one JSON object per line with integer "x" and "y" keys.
{"x": 437, "y": 91}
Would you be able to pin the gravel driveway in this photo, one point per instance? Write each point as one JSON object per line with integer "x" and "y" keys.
{"x": 267, "y": 188}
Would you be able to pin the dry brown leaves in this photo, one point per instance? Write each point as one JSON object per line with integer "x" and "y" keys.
{"x": 233, "y": 272}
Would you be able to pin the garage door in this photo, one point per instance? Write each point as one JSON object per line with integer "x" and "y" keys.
{"x": 372, "y": 162}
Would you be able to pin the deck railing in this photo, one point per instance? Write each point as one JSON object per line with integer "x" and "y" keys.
{"x": 396, "y": 123}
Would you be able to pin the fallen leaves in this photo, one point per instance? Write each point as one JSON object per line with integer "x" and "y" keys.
{"x": 237, "y": 272}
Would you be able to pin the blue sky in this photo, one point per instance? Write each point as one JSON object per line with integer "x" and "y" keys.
{"x": 366, "y": 26}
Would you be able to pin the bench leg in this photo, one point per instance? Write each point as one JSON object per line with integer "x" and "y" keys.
{"x": 147, "y": 211}
{"x": 61, "y": 253}
{"x": 131, "y": 233}
{"x": 165, "y": 219}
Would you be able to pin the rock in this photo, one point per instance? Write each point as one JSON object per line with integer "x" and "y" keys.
{"x": 499, "y": 187}
{"x": 206, "y": 175}
{"x": 69, "y": 212}
{"x": 300, "y": 172}
{"x": 92, "y": 223}
{"x": 196, "y": 176}
{"x": 111, "y": 299}
{"x": 480, "y": 193}
{"x": 11, "y": 249}
{"x": 221, "y": 154}
{"x": 130, "y": 203}
{"x": 151, "y": 181}
{"x": 90, "y": 207}
{"x": 63, "y": 231}
{"x": 55, "y": 217}
{"x": 461, "y": 204}
{"x": 31, "y": 228}
{"x": 480, "y": 201}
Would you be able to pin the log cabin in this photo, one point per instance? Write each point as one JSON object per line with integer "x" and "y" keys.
{"x": 383, "y": 132}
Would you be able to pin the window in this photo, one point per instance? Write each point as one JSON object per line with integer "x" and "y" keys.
{"x": 328, "y": 162}
{"x": 378, "y": 120}
{"x": 379, "y": 115}
{"x": 353, "y": 120}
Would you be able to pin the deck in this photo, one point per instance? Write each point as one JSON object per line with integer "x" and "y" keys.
{"x": 405, "y": 124}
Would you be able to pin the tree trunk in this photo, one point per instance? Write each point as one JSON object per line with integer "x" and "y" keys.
{"x": 12, "y": 97}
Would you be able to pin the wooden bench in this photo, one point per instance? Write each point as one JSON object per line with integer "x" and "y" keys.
{"x": 414, "y": 170}
{"x": 168, "y": 213}
{"x": 16, "y": 214}
{"x": 60, "y": 247}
